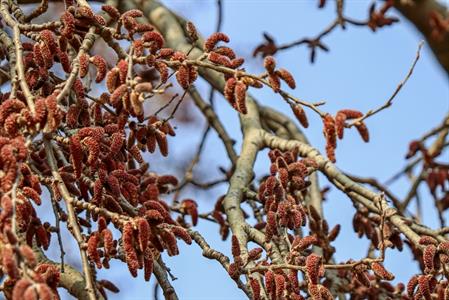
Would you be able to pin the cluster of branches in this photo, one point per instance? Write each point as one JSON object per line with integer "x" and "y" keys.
{"x": 89, "y": 153}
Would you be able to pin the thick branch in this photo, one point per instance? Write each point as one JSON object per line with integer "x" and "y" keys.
{"x": 71, "y": 279}
{"x": 418, "y": 13}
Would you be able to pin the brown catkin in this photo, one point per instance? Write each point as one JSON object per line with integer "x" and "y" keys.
{"x": 27, "y": 253}
{"x": 271, "y": 228}
{"x": 84, "y": 65}
{"x": 381, "y": 272}
{"x": 192, "y": 32}
{"x": 444, "y": 247}
{"x": 68, "y": 25}
{"x": 219, "y": 59}
{"x": 191, "y": 208}
{"x": 240, "y": 96}
{"x": 47, "y": 55}
{"x": 237, "y": 62}
{"x": 255, "y": 287}
{"x": 334, "y": 233}
{"x": 229, "y": 91}
{"x": 274, "y": 82}
{"x": 100, "y": 20}
{"x": 100, "y": 63}
{"x": 235, "y": 246}
{"x": 109, "y": 285}
{"x": 32, "y": 194}
{"x": 130, "y": 252}
{"x": 169, "y": 240}
{"x": 269, "y": 282}
{"x": 300, "y": 114}
{"x": 161, "y": 139}
{"x": 148, "y": 268}
{"x": 133, "y": 13}
{"x": 122, "y": 67}
{"x": 212, "y": 41}
{"x": 78, "y": 88}
{"x": 86, "y": 12}
{"x": 226, "y": 51}
{"x": 182, "y": 76}
{"x": 108, "y": 241}
{"x": 9, "y": 262}
{"x": 279, "y": 281}
{"x": 64, "y": 60}
{"x": 111, "y": 11}
{"x": 313, "y": 263}
{"x": 424, "y": 286}
{"x": 411, "y": 285}
{"x": 92, "y": 251}
{"x": 163, "y": 71}
{"x": 143, "y": 229}
{"x": 305, "y": 243}
{"x": 37, "y": 55}
{"x": 112, "y": 79}
{"x": 325, "y": 293}
{"x": 76, "y": 154}
{"x": 293, "y": 280}
{"x": 118, "y": 94}
{"x": 363, "y": 131}
{"x": 331, "y": 136}
{"x": 48, "y": 38}
{"x": 154, "y": 37}
{"x": 287, "y": 77}
{"x": 351, "y": 114}
{"x": 428, "y": 258}
{"x": 269, "y": 64}
{"x": 166, "y": 52}
{"x": 255, "y": 254}
{"x": 340, "y": 119}
{"x": 19, "y": 288}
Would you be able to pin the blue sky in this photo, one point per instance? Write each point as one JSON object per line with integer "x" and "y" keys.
{"x": 360, "y": 72}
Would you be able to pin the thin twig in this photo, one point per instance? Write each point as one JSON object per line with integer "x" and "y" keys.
{"x": 72, "y": 218}
{"x": 389, "y": 102}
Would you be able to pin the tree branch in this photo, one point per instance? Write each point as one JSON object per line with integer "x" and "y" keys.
{"x": 418, "y": 13}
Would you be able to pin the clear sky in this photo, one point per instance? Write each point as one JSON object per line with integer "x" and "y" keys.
{"x": 360, "y": 72}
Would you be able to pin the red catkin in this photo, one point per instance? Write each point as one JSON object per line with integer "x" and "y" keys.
{"x": 235, "y": 246}
{"x": 428, "y": 258}
{"x": 287, "y": 77}
{"x": 130, "y": 252}
{"x": 300, "y": 114}
{"x": 381, "y": 272}
{"x": 240, "y": 97}
{"x": 100, "y": 63}
{"x": 84, "y": 65}
{"x": 92, "y": 250}
{"x": 313, "y": 262}
{"x": 143, "y": 229}
{"x": 255, "y": 287}
{"x": 330, "y": 135}
{"x": 269, "y": 64}
{"x": 212, "y": 41}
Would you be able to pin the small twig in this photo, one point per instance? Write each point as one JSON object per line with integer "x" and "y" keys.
{"x": 14, "y": 202}
{"x": 72, "y": 218}
{"x": 41, "y": 9}
{"x": 21, "y": 70}
{"x": 156, "y": 291}
{"x": 175, "y": 109}
{"x": 57, "y": 212}
{"x": 389, "y": 102}
{"x": 161, "y": 275}
{"x": 163, "y": 107}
